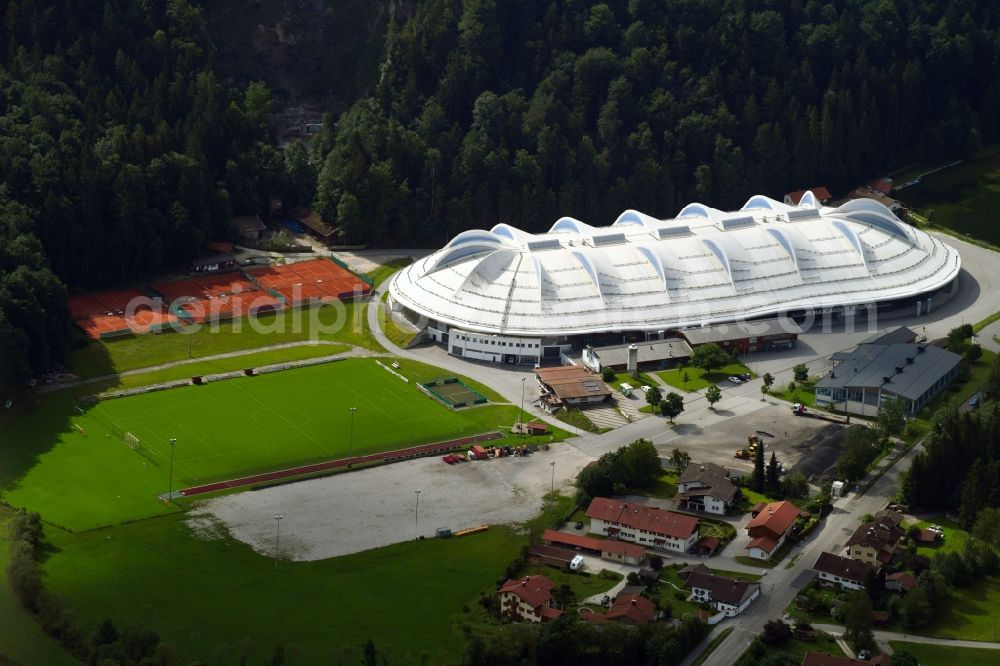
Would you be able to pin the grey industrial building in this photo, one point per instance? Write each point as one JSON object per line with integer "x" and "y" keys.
{"x": 650, "y": 355}
{"x": 862, "y": 379}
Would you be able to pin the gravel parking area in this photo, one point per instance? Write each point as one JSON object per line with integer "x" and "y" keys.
{"x": 718, "y": 442}
{"x": 366, "y": 509}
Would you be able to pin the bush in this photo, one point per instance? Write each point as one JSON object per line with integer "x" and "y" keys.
{"x": 607, "y": 374}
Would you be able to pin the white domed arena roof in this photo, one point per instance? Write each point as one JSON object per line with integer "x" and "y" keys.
{"x": 705, "y": 266}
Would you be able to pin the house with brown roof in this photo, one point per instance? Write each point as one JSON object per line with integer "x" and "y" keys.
{"x": 645, "y": 525}
{"x": 569, "y": 386}
{"x": 250, "y": 227}
{"x": 726, "y": 595}
{"x": 705, "y": 487}
{"x": 769, "y": 529}
{"x": 821, "y": 194}
{"x": 875, "y": 542}
{"x": 901, "y": 581}
{"x": 631, "y": 609}
{"x": 529, "y": 599}
{"x": 843, "y": 572}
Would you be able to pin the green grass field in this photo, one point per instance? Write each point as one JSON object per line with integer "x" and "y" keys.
{"x": 963, "y": 198}
{"x": 699, "y": 379}
{"x": 970, "y": 613}
{"x": 954, "y": 537}
{"x": 205, "y": 597}
{"x": 582, "y": 586}
{"x": 340, "y": 322}
{"x": 946, "y": 655}
{"x": 21, "y": 638}
{"x": 228, "y": 429}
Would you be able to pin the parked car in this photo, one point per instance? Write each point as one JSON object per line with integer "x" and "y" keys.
{"x": 645, "y": 389}
{"x": 736, "y": 380}
{"x": 744, "y": 376}
{"x": 579, "y": 525}
{"x": 863, "y": 654}
{"x": 576, "y": 563}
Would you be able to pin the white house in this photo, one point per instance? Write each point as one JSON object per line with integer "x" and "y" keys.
{"x": 842, "y": 572}
{"x": 705, "y": 487}
{"x": 726, "y": 595}
{"x": 644, "y": 525}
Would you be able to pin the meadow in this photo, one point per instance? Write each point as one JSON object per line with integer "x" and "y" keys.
{"x": 946, "y": 655}
{"x": 214, "y": 598}
{"x": 76, "y": 470}
{"x": 963, "y": 198}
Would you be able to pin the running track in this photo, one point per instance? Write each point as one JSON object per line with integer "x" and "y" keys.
{"x": 385, "y": 456}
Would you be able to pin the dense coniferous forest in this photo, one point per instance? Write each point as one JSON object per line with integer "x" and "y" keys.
{"x": 521, "y": 111}
{"x": 124, "y": 151}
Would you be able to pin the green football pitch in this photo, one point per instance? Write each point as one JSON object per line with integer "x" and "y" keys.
{"x": 88, "y": 477}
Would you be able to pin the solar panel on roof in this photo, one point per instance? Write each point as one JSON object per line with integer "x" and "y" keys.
{"x": 546, "y": 244}
{"x": 800, "y": 214}
{"x": 673, "y": 232}
{"x": 737, "y": 222}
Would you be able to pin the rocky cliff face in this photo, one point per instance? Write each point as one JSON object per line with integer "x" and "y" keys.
{"x": 312, "y": 53}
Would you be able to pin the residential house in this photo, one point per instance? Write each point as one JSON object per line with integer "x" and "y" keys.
{"x": 705, "y": 487}
{"x": 820, "y": 195}
{"x": 631, "y": 609}
{"x": 901, "y": 581}
{"x": 769, "y": 529}
{"x": 529, "y": 599}
{"x": 875, "y": 542}
{"x": 726, "y": 595}
{"x": 644, "y": 525}
{"x": 249, "y": 227}
{"x": 843, "y": 572}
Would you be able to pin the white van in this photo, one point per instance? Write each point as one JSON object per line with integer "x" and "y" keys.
{"x": 626, "y": 389}
{"x": 576, "y": 563}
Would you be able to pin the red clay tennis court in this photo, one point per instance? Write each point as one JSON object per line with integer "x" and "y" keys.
{"x": 215, "y": 297}
{"x": 108, "y": 314}
{"x": 316, "y": 280}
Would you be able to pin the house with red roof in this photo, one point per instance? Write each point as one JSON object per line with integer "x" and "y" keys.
{"x": 645, "y": 525}
{"x": 608, "y": 549}
{"x": 769, "y": 529}
{"x": 901, "y": 581}
{"x": 529, "y": 599}
{"x": 821, "y": 194}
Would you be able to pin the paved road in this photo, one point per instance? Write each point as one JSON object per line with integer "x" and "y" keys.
{"x": 781, "y": 585}
{"x": 353, "y": 351}
{"x": 883, "y": 636}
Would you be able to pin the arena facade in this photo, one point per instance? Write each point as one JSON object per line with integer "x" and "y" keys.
{"x": 509, "y": 296}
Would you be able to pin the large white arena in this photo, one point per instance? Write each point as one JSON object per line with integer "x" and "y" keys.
{"x": 506, "y": 295}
